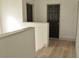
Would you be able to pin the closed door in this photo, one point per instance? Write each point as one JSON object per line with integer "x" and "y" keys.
{"x": 53, "y": 19}
{"x": 29, "y": 13}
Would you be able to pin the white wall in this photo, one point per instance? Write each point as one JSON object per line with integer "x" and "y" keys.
{"x": 18, "y": 44}
{"x": 11, "y": 15}
{"x": 68, "y": 19}
{"x": 0, "y": 18}
{"x": 40, "y": 9}
{"x": 68, "y": 15}
{"x": 12, "y": 20}
{"x": 41, "y": 34}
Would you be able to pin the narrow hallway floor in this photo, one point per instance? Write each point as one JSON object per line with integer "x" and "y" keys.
{"x": 58, "y": 49}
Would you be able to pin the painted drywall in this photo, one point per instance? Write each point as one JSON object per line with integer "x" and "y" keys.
{"x": 77, "y": 37}
{"x": 68, "y": 15}
{"x": 19, "y": 44}
{"x": 11, "y": 15}
{"x": 40, "y": 9}
{"x": 12, "y": 20}
{"x": 68, "y": 19}
{"x": 0, "y": 18}
{"x": 41, "y": 34}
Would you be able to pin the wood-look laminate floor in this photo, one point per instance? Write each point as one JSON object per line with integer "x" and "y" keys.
{"x": 58, "y": 49}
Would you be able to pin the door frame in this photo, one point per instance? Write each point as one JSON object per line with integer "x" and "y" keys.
{"x": 59, "y": 19}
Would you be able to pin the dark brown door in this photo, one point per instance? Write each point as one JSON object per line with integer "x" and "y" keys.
{"x": 53, "y": 19}
{"x": 29, "y": 13}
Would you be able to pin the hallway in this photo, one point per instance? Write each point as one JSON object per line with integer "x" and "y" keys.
{"x": 58, "y": 49}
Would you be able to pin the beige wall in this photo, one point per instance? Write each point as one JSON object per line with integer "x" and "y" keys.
{"x": 68, "y": 15}
{"x": 11, "y": 15}
{"x": 18, "y": 44}
{"x": 77, "y": 38}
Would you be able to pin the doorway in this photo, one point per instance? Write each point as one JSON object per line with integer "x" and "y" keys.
{"x": 53, "y": 15}
{"x": 29, "y": 12}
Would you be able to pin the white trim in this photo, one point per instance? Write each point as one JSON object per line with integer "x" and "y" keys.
{"x": 68, "y": 39}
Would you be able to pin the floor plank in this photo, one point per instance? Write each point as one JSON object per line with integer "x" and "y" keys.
{"x": 58, "y": 49}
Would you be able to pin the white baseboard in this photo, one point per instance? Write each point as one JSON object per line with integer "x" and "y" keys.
{"x": 68, "y": 39}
